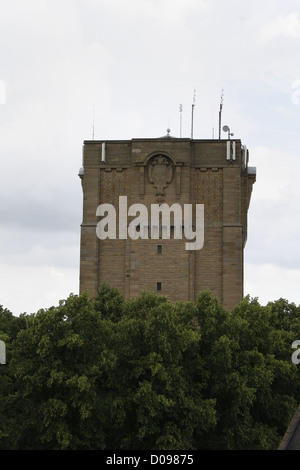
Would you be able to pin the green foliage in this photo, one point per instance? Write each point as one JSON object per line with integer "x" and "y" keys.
{"x": 163, "y": 405}
{"x": 109, "y": 302}
{"x": 147, "y": 374}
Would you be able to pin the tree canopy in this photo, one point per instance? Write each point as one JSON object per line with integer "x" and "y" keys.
{"x": 109, "y": 374}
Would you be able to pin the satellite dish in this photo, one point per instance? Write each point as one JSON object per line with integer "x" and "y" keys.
{"x": 226, "y": 129}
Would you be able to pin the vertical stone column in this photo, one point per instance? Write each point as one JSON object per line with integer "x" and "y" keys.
{"x": 232, "y": 238}
{"x": 89, "y": 241}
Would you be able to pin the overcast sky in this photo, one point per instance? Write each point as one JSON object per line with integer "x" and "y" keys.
{"x": 122, "y": 68}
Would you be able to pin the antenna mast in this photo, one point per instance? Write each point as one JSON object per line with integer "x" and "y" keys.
{"x": 180, "y": 111}
{"x": 220, "y": 112}
{"x": 193, "y": 106}
{"x": 93, "y": 123}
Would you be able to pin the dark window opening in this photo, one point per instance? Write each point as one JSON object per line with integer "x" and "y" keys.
{"x": 159, "y": 286}
{"x": 159, "y": 249}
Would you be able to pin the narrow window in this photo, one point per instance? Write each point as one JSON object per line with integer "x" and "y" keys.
{"x": 159, "y": 249}
{"x": 159, "y": 286}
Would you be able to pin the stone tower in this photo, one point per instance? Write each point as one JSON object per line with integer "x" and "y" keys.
{"x": 212, "y": 174}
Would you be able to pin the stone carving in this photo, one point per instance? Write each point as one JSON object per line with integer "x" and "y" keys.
{"x": 114, "y": 183}
{"x": 160, "y": 173}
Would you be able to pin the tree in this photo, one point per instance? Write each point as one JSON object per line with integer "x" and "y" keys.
{"x": 109, "y": 302}
{"x": 250, "y": 374}
{"x": 9, "y": 327}
{"x": 161, "y": 406}
{"x": 57, "y": 362}
{"x": 148, "y": 374}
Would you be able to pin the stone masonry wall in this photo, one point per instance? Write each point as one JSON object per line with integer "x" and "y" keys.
{"x": 170, "y": 171}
